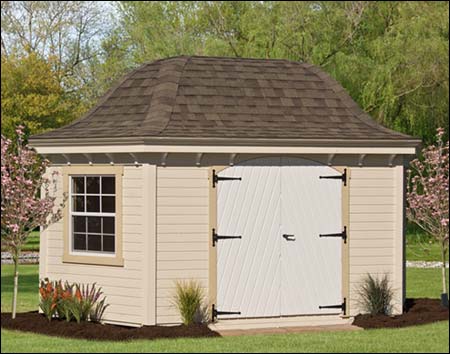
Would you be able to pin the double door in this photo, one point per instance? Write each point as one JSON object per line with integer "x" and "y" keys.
{"x": 280, "y": 266}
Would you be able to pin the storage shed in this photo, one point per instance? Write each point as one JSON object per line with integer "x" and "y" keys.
{"x": 261, "y": 179}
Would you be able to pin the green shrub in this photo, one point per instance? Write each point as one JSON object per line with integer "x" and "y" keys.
{"x": 376, "y": 295}
{"x": 189, "y": 299}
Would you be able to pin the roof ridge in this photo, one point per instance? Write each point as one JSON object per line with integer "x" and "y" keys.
{"x": 223, "y": 57}
{"x": 188, "y": 59}
{"x": 164, "y": 94}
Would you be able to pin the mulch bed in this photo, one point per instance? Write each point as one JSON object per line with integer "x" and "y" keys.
{"x": 36, "y": 323}
{"x": 417, "y": 312}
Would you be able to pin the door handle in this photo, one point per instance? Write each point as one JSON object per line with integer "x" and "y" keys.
{"x": 289, "y": 237}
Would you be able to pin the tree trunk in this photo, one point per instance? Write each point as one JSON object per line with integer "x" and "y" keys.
{"x": 444, "y": 295}
{"x": 16, "y": 284}
{"x": 444, "y": 273}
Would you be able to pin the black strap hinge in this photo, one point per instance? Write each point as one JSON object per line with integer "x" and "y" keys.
{"x": 215, "y": 312}
{"x": 342, "y": 234}
{"x": 216, "y": 179}
{"x": 342, "y": 306}
{"x": 343, "y": 177}
{"x": 216, "y": 237}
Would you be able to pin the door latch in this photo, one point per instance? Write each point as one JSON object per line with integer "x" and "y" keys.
{"x": 289, "y": 237}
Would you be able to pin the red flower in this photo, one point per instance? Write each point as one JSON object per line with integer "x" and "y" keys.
{"x": 78, "y": 294}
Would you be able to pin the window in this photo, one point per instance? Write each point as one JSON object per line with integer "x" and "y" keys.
{"x": 93, "y": 213}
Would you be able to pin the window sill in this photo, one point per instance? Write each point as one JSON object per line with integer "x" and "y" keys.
{"x": 94, "y": 260}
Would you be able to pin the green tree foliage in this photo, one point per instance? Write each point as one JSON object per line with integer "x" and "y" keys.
{"x": 50, "y": 50}
{"x": 392, "y": 57}
{"x": 32, "y": 96}
{"x": 398, "y": 70}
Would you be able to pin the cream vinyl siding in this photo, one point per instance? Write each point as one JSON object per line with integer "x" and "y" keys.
{"x": 182, "y": 234}
{"x": 166, "y": 225}
{"x": 123, "y": 286}
{"x": 374, "y": 215}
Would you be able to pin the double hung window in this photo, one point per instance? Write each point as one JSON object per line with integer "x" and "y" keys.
{"x": 93, "y": 214}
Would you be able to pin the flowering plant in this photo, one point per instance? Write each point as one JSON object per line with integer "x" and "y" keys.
{"x": 85, "y": 302}
{"x": 27, "y": 199}
{"x": 427, "y": 196}
{"x": 71, "y": 301}
{"x": 48, "y": 298}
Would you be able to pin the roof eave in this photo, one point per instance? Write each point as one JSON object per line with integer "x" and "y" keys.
{"x": 117, "y": 141}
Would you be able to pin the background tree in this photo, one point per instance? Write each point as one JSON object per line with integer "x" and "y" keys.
{"x": 397, "y": 67}
{"x": 428, "y": 195}
{"x": 63, "y": 39}
{"x": 31, "y": 93}
{"x": 391, "y": 56}
{"x": 27, "y": 201}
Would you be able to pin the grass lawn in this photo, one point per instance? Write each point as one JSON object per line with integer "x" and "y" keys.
{"x": 428, "y": 338}
{"x": 28, "y": 299}
{"x": 423, "y": 252}
{"x": 420, "y": 247}
{"x": 424, "y": 282}
{"x": 420, "y": 283}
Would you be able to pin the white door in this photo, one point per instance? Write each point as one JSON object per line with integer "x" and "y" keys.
{"x": 248, "y": 269}
{"x": 311, "y": 270}
{"x": 265, "y": 274}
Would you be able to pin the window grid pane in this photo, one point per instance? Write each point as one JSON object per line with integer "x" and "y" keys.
{"x": 99, "y": 229}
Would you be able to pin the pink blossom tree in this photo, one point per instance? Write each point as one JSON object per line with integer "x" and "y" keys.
{"x": 27, "y": 201}
{"x": 428, "y": 194}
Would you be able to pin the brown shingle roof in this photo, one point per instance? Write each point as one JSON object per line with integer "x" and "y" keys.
{"x": 210, "y": 97}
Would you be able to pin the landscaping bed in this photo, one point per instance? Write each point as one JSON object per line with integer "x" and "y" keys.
{"x": 417, "y": 312}
{"x": 36, "y": 323}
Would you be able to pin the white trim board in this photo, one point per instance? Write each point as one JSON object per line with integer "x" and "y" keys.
{"x": 48, "y": 150}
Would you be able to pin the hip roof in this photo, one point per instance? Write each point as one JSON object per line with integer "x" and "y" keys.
{"x": 192, "y": 97}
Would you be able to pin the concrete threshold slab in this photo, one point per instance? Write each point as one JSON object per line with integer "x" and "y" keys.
{"x": 286, "y": 330}
{"x": 295, "y": 324}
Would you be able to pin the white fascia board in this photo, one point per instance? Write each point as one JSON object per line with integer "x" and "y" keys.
{"x": 112, "y": 149}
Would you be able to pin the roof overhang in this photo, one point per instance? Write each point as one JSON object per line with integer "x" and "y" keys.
{"x": 224, "y": 145}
